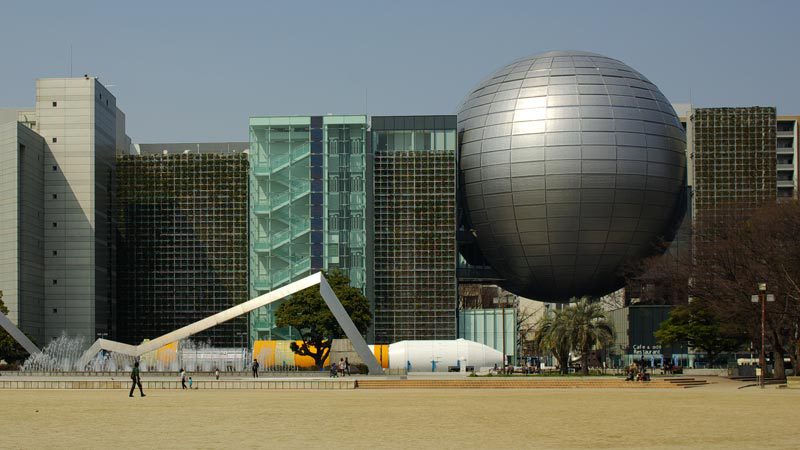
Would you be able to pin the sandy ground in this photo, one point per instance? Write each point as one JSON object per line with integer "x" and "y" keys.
{"x": 718, "y": 416}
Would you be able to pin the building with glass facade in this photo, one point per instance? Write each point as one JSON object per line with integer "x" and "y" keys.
{"x": 414, "y": 180}
{"x": 182, "y": 244}
{"x": 308, "y": 205}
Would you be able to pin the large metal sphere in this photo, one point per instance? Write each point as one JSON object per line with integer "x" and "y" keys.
{"x": 572, "y": 164}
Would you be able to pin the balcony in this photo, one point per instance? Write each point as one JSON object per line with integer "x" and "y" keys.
{"x": 785, "y": 133}
{"x": 785, "y": 183}
{"x": 785, "y": 167}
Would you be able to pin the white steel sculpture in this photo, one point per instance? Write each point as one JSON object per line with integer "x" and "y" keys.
{"x": 18, "y": 335}
{"x": 359, "y": 344}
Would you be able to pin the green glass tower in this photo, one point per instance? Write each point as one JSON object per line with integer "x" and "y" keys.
{"x": 307, "y": 205}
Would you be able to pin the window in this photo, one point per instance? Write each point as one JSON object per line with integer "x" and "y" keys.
{"x": 55, "y": 224}
{"x": 55, "y": 104}
{"x": 55, "y": 169}
{"x": 55, "y": 252}
{"x": 55, "y": 196}
{"x": 55, "y": 310}
{"x": 55, "y": 282}
{"x": 55, "y": 139}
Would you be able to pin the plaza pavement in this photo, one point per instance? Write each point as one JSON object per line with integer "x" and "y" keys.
{"x": 718, "y": 416}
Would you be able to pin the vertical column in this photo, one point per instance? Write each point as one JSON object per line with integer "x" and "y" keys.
{"x": 317, "y": 194}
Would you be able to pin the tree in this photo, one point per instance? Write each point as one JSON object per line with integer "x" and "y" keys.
{"x": 588, "y": 328}
{"x": 527, "y": 319}
{"x": 10, "y": 349}
{"x": 697, "y": 326}
{"x": 307, "y": 313}
{"x": 551, "y": 335}
{"x": 733, "y": 250}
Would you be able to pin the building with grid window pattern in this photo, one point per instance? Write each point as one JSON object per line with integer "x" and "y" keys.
{"x": 308, "y": 208}
{"x": 414, "y": 225}
{"x": 182, "y": 247}
{"x": 734, "y": 161}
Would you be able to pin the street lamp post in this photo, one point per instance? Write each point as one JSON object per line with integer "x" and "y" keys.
{"x": 763, "y": 298}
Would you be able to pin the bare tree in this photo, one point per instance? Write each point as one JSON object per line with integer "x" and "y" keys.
{"x": 731, "y": 255}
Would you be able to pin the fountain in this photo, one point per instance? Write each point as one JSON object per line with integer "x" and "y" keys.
{"x": 62, "y": 355}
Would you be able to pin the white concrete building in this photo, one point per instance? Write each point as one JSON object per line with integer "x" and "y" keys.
{"x": 55, "y": 211}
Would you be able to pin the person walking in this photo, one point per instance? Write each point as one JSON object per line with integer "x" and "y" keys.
{"x": 347, "y": 366}
{"x": 255, "y": 368}
{"x": 183, "y": 378}
{"x": 136, "y": 380}
{"x": 341, "y": 366}
{"x": 216, "y": 373}
{"x": 190, "y": 383}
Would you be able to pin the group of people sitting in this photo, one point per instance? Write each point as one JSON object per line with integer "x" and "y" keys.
{"x": 637, "y": 371}
{"x": 669, "y": 368}
{"x": 509, "y": 369}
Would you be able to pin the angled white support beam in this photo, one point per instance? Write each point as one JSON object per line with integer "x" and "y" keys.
{"x": 18, "y": 335}
{"x": 359, "y": 344}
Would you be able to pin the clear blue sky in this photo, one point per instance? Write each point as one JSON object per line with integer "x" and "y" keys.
{"x": 195, "y": 71}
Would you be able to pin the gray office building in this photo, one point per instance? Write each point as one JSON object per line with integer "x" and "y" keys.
{"x": 58, "y": 226}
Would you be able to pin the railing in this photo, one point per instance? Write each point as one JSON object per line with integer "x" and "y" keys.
{"x": 301, "y": 152}
{"x": 261, "y": 169}
{"x": 261, "y": 207}
{"x": 297, "y": 189}
{"x": 293, "y": 232}
{"x": 296, "y": 268}
{"x": 275, "y": 163}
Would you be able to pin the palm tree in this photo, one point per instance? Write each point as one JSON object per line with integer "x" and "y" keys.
{"x": 588, "y": 327}
{"x": 552, "y": 335}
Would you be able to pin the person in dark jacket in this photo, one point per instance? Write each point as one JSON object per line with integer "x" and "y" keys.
{"x": 136, "y": 380}
{"x": 255, "y": 368}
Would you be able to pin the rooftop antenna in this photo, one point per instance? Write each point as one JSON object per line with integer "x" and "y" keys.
{"x": 366, "y": 100}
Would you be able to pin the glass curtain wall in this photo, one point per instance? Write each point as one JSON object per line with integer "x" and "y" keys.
{"x": 280, "y": 199}
{"x": 307, "y": 205}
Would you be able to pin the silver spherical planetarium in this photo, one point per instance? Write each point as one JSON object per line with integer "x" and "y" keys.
{"x": 572, "y": 164}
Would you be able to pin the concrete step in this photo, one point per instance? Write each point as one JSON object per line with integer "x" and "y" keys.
{"x": 510, "y": 384}
{"x": 159, "y": 384}
{"x": 686, "y": 382}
